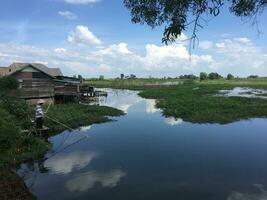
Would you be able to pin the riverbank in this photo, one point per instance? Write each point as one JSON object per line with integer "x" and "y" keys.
{"x": 30, "y": 147}
{"x": 17, "y": 146}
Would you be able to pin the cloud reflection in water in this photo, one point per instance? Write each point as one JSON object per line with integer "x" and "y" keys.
{"x": 173, "y": 121}
{"x": 86, "y": 181}
{"x": 64, "y": 164}
{"x": 151, "y": 106}
{"x": 262, "y": 195}
{"x": 120, "y": 99}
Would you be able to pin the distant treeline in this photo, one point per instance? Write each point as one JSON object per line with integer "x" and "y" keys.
{"x": 211, "y": 76}
{"x": 202, "y": 76}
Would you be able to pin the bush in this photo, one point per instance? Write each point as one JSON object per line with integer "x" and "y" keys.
{"x": 203, "y": 76}
{"x": 188, "y": 76}
{"x": 9, "y": 132}
{"x": 8, "y": 83}
{"x": 230, "y": 77}
{"x": 253, "y": 76}
{"x": 214, "y": 76}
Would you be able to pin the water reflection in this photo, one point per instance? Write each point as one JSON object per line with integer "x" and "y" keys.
{"x": 261, "y": 195}
{"x": 151, "y": 106}
{"x": 64, "y": 164}
{"x": 202, "y": 162}
{"x": 173, "y": 121}
{"x": 86, "y": 181}
{"x": 120, "y": 99}
{"x": 85, "y": 128}
{"x": 244, "y": 92}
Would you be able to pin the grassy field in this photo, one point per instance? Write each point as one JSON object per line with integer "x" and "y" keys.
{"x": 142, "y": 83}
{"x": 249, "y": 82}
{"x": 139, "y": 83}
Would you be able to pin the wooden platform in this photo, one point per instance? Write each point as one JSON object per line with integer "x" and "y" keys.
{"x": 101, "y": 93}
{"x": 43, "y": 132}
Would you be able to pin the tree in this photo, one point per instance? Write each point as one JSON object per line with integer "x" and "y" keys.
{"x": 80, "y": 78}
{"x": 253, "y": 76}
{"x": 180, "y": 15}
{"x": 214, "y": 75}
{"x": 230, "y": 77}
{"x": 132, "y": 76}
{"x": 122, "y": 76}
{"x": 188, "y": 76}
{"x": 203, "y": 76}
{"x": 101, "y": 77}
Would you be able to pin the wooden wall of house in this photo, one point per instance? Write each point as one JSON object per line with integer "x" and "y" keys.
{"x": 37, "y": 88}
{"x": 34, "y": 84}
{"x": 66, "y": 89}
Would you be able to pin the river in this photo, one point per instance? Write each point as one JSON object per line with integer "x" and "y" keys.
{"x": 144, "y": 155}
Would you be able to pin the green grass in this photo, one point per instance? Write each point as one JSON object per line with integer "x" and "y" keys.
{"x": 201, "y": 106}
{"x": 143, "y": 83}
{"x": 139, "y": 83}
{"x": 76, "y": 115}
{"x": 250, "y": 82}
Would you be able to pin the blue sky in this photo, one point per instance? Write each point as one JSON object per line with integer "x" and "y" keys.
{"x": 96, "y": 37}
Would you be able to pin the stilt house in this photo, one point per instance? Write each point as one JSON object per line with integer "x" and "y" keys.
{"x": 38, "y": 81}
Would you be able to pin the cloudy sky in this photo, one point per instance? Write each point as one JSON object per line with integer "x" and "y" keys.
{"x": 96, "y": 37}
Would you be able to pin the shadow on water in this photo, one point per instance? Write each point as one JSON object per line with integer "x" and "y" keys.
{"x": 144, "y": 155}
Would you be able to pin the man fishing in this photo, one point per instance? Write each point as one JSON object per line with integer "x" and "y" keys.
{"x": 39, "y": 114}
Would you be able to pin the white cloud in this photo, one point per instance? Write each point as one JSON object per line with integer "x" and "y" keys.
{"x": 115, "y": 50}
{"x": 242, "y": 39}
{"x": 83, "y": 36}
{"x": 60, "y": 50}
{"x": 182, "y": 37}
{"x": 154, "y": 52}
{"x": 104, "y": 68}
{"x": 86, "y": 181}
{"x": 65, "y": 164}
{"x": 41, "y": 62}
{"x": 67, "y": 14}
{"x": 205, "y": 44}
{"x": 239, "y": 56}
{"x": 81, "y": 1}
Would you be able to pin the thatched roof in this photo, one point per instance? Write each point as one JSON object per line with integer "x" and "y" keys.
{"x": 19, "y": 66}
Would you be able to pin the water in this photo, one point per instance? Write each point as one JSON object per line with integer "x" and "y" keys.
{"x": 244, "y": 92}
{"x": 144, "y": 155}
